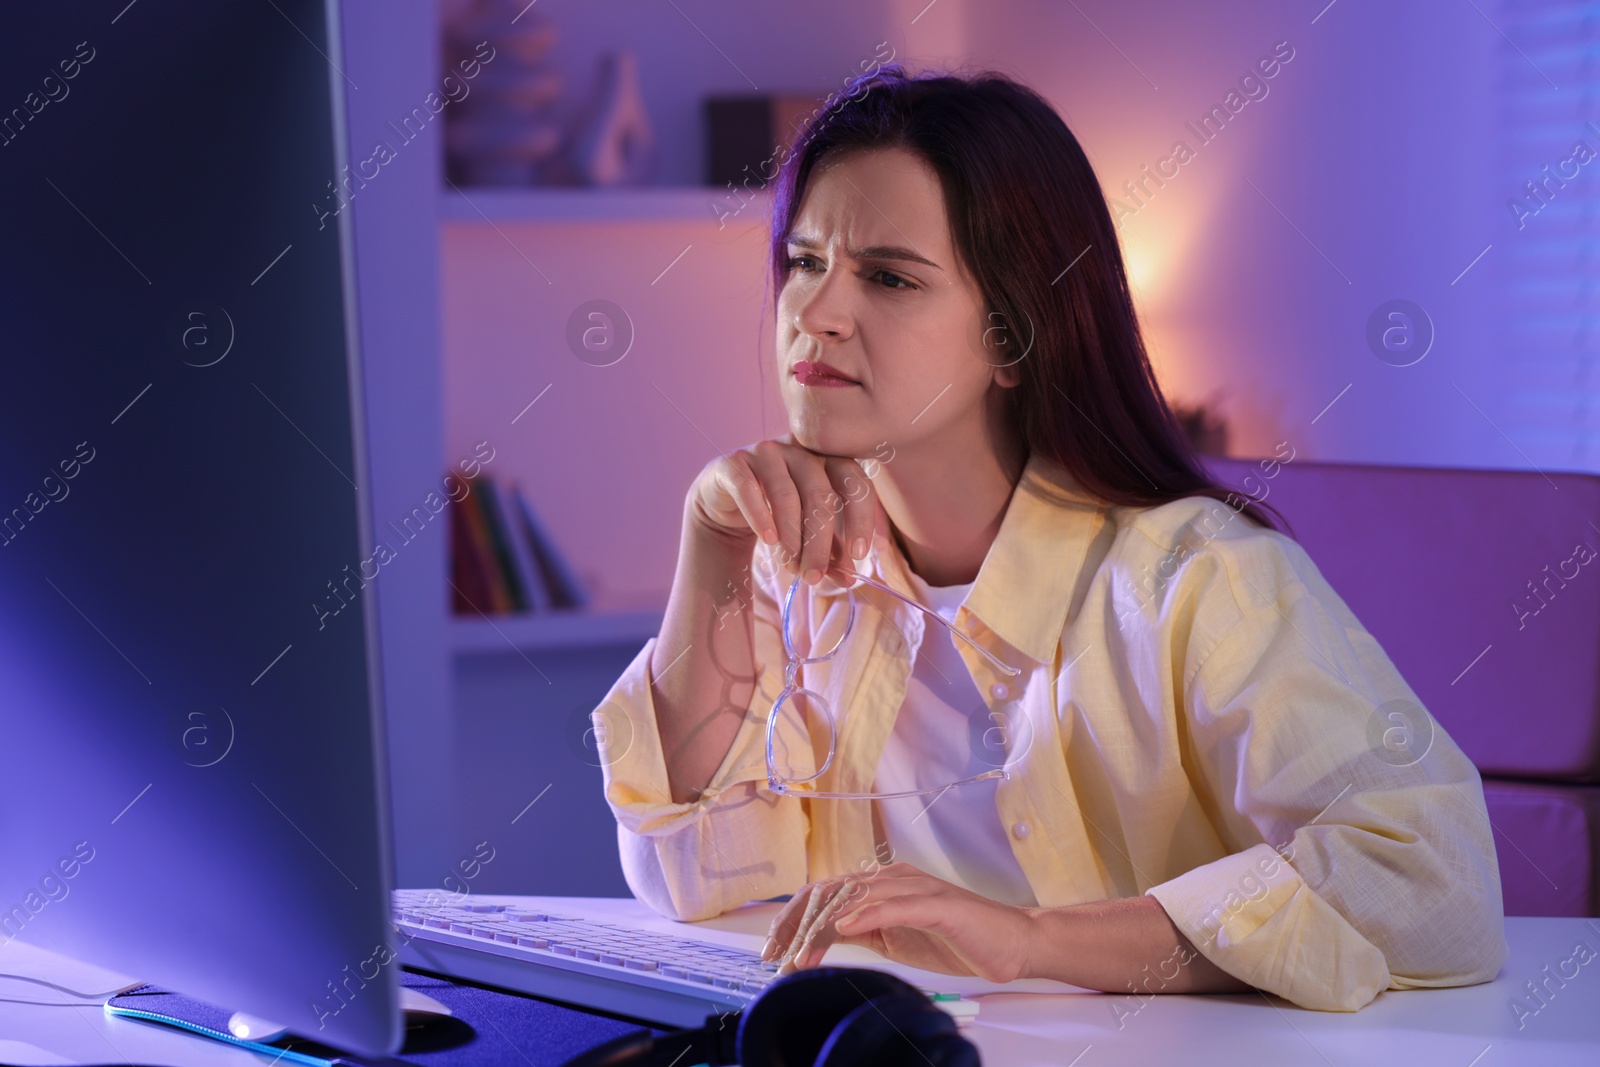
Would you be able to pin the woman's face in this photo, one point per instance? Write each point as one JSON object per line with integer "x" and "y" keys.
{"x": 873, "y": 289}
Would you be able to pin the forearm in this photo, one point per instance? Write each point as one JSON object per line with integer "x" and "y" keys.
{"x": 1120, "y": 946}
{"x": 702, "y": 667}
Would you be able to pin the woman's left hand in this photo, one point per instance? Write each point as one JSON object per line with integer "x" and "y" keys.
{"x": 908, "y": 916}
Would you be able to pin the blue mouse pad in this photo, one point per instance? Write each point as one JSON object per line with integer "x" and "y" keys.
{"x": 489, "y": 1028}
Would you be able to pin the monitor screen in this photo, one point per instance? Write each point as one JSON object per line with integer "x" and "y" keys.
{"x": 193, "y": 792}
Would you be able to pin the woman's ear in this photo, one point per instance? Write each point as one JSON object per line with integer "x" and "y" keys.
{"x": 994, "y": 346}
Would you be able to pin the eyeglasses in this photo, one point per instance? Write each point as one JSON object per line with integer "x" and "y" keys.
{"x": 814, "y": 705}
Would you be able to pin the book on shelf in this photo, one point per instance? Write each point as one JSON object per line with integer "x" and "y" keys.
{"x": 489, "y": 593}
{"x": 503, "y": 560}
{"x": 494, "y": 521}
{"x": 564, "y": 588}
{"x": 468, "y": 583}
{"x": 524, "y": 564}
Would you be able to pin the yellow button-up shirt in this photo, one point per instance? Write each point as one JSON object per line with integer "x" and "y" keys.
{"x": 1199, "y": 717}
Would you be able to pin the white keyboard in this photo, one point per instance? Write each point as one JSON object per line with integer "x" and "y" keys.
{"x": 676, "y": 981}
{"x": 587, "y": 961}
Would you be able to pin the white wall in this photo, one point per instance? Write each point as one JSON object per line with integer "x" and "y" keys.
{"x": 1377, "y": 143}
{"x": 608, "y": 453}
{"x": 390, "y": 53}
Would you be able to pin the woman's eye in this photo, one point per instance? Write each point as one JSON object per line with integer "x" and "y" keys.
{"x": 891, "y": 279}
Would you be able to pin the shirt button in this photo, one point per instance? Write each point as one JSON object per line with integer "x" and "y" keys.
{"x": 1020, "y": 829}
{"x": 1000, "y": 690}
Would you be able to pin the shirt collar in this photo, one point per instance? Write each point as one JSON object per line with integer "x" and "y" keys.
{"x": 1024, "y": 587}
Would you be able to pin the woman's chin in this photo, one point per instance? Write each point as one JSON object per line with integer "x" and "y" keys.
{"x": 831, "y": 440}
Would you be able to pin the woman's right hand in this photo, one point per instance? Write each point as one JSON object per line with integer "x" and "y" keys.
{"x": 819, "y": 510}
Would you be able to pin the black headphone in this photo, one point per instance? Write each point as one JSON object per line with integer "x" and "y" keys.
{"x": 817, "y": 1017}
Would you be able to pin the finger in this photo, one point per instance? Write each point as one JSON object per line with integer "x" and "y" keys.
{"x": 913, "y": 910}
{"x": 860, "y": 507}
{"x": 812, "y": 941}
{"x": 828, "y": 900}
{"x": 897, "y": 881}
{"x": 786, "y": 922}
{"x": 783, "y": 496}
{"x": 887, "y": 887}
{"x": 902, "y": 869}
{"x": 821, "y": 897}
{"x": 792, "y": 921}
{"x": 791, "y": 960}
{"x": 820, "y": 504}
{"x": 970, "y": 942}
{"x": 823, "y": 933}
{"x": 739, "y": 481}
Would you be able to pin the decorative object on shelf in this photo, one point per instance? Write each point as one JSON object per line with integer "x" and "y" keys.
{"x": 502, "y": 560}
{"x": 501, "y": 132}
{"x": 612, "y": 142}
{"x": 750, "y": 134}
{"x": 1205, "y": 427}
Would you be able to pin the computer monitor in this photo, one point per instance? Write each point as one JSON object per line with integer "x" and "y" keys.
{"x": 193, "y": 786}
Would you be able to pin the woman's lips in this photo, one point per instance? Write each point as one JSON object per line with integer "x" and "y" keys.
{"x": 812, "y": 374}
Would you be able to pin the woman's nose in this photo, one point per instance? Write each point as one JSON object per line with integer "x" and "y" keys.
{"x": 824, "y": 310}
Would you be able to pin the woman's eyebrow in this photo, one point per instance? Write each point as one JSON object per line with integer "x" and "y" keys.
{"x": 906, "y": 255}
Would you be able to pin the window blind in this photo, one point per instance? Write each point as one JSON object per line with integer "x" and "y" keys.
{"x": 1549, "y": 168}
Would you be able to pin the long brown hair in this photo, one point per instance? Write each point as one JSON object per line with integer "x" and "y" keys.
{"x": 1030, "y": 222}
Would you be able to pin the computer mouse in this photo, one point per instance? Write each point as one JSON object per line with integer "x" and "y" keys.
{"x": 419, "y": 1009}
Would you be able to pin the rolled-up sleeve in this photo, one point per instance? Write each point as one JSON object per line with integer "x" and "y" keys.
{"x": 1365, "y": 857}
{"x": 737, "y": 842}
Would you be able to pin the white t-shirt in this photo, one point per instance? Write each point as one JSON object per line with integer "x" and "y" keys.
{"x": 937, "y": 738}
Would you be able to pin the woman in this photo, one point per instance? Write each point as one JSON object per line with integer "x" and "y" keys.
{"x": 1184, "y": 710}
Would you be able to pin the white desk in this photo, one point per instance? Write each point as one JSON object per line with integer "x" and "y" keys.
{"x": 1467, "y": 1027}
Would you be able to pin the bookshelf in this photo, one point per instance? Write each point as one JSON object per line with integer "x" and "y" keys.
{"x": 648, "y": 204}
{"x": 609, "y": 621}
{"x": 607, "y": 454}
{"x": 565, "y": 218}
{"x": 556, "y": 630}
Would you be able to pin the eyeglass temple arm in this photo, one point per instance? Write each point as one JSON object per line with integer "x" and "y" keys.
{"x": 782, "y": 788}
{"x": 990, "y": 656}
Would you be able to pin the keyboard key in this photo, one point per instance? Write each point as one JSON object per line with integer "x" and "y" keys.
{"x": 617, "y": 945}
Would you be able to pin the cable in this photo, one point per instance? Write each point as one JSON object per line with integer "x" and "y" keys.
{"x": 61, "y": 988}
